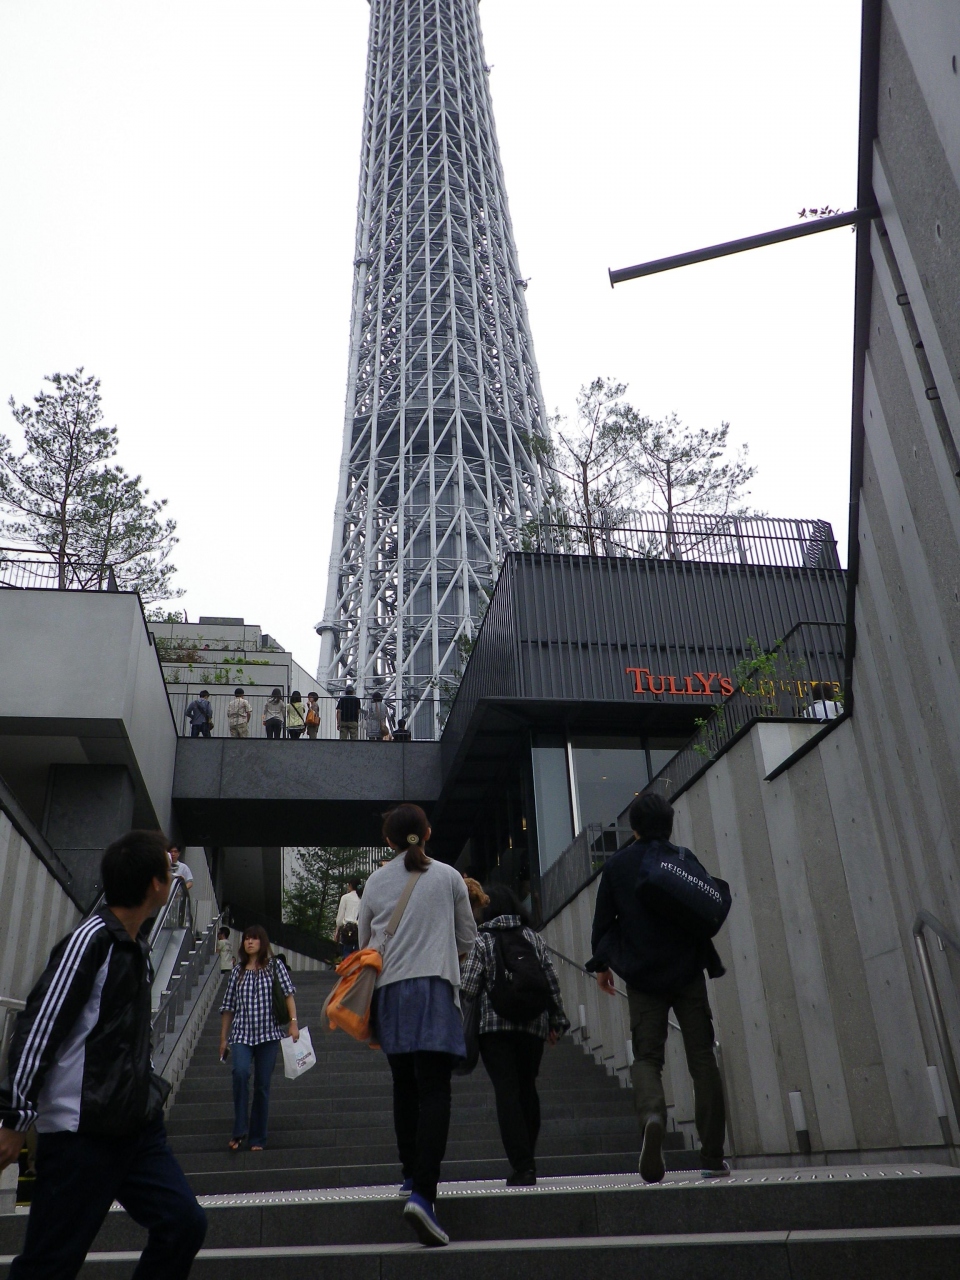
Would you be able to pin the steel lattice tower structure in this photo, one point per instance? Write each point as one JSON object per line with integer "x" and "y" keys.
{"x": 438, "y": 477}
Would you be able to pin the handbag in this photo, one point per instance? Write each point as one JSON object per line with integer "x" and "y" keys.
{"x": 470, "y": 1008}
{"x": 298, "y": 1055}
{"x": 675, "y": 886}
{"x": 348, "y": 1004}
{"x": 280, "y": 1014}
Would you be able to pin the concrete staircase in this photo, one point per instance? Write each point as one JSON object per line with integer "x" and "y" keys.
{"x": 321, "y": 1201}
{"x": 334, "y": 1127}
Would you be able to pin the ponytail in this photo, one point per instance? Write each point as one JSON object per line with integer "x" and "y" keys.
{"x": 406, "y": 826}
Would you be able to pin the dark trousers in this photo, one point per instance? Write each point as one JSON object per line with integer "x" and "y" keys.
{"x": 648, "y": 1023}
{"x": 263, "y": 1059}
{"x": 200, "y": 730}
{"x": 79, "y": 1177}
{"x": 294, "y": 733}
{"x": 512, "y": 1060}
{"x": 421, "y": 1115}
{"x": 273, "y": 727}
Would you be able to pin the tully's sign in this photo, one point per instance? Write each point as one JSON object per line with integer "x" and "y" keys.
{"x": 702, "y": 684}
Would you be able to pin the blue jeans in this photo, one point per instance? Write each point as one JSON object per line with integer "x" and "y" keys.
{"x": 263, "y": 1058}
{"x": 78, "y": 1178}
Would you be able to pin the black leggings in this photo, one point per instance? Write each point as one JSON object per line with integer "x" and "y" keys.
{"x": 512, "y": 1060}
{"x": 273, "y": 727}
{"x": 421, "y": 1115}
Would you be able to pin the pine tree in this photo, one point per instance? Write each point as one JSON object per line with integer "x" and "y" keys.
{"x": 65, "y": 496}
{"x": 320, "y": 877}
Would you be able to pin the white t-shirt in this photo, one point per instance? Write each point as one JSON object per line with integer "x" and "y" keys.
{"x": 225, "y": 950}
{"x": 181, "y": 870}
{"x": 348, "y": 911}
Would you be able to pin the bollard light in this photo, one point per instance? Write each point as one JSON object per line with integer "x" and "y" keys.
{"x": 799, "y": 1114}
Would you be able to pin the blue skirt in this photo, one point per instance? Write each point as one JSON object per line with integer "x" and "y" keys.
{"x": 418, "y": 1015}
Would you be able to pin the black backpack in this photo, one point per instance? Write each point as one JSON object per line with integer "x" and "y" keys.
{"x": 521, "y": 991}
{"x": 677, "y": 887}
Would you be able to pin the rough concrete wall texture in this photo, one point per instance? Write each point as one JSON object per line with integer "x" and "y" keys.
{"x": 37, "y": 913}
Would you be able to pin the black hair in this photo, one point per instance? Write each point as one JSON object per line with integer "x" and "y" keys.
{"x": 402, "y": 722}
{"x": 238, "y": 693}
{"x": 131, "y": 864}
{"x": 503, "y": 902}
{"x": 406, "y": 826}
{"x": 349, "y": 689}
{"x": 295, "y": 696}
{"x": 377, "y": 696}
{"x": 276, "y": 694}
{"x": 311, "y": 694}
{"x": 223, "y": 932}
{"x": 651, "y": 817}
{"x": 204, "y": 693}
{"x": 353, "y": 882}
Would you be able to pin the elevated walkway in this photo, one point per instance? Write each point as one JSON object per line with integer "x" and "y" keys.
{"x": 248, "y": 792}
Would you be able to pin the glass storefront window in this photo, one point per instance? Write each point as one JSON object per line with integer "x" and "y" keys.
{"x": 609, "y": 772}
{"x": 552, "y": 799}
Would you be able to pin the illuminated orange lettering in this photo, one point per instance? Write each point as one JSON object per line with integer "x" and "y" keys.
{"x": 726, "y": 686}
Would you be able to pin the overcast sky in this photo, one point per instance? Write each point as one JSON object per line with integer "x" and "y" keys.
{"x": 180, "y": 184}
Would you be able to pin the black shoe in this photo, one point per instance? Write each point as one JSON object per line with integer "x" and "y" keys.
{"x": 522, "y": 1178}
{"x": 714, "y": 1168}
{"x": 651, "y": 1153}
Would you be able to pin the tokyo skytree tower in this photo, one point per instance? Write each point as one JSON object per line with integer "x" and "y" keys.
{"x": 438, "y": 477}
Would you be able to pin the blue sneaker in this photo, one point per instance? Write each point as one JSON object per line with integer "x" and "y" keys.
{"x": 419, "y": 1213}
{"x": 406, "y": 1188}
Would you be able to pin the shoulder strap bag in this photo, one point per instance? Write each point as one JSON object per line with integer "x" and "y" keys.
{"x": 348, "y": 1004}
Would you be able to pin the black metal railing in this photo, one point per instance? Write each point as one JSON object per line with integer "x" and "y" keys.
{"x": 800, "y": 679}
{"x": 722, "y": 539}
{"x": 22, "y": 568}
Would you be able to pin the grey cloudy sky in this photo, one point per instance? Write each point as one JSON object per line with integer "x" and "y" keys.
{"x": 180, "y": 188}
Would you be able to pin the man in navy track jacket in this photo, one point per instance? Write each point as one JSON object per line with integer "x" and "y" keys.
{"x": 80, "y": 1068}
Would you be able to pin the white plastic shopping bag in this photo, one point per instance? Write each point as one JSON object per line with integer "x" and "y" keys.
{"x": 298, "y": 1056}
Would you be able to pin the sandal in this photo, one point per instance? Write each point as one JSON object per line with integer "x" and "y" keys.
{"x": 234, "y": 1143}
{"x": 256, "y": 1148}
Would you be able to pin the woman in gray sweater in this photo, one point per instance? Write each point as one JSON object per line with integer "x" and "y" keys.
{"x": 416, "y": 1007}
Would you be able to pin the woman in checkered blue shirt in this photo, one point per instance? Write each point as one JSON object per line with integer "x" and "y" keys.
{"x": 250, "y": 1031}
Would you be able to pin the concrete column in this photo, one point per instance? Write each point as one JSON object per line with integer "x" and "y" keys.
{"x": 88, "y": 806}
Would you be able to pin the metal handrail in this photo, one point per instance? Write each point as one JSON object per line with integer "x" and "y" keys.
{"x": 671, "y": 1019}
{"x": 926, "y": 920}
{"x": 173, "y": 1000}
{"x": 178, "y": 893}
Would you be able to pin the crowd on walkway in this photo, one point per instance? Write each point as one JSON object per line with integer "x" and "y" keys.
{"x": 460, "y": 977}
{"x": 293, "y": 718}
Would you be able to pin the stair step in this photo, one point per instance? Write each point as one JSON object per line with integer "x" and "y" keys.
{"x": 764, "y": 1255}
{"x": 855, "y": 1198}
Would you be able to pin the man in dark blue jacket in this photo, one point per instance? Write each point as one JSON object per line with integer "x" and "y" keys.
{"x": 80, "y": 1069}
{"x": 662, "y": 966}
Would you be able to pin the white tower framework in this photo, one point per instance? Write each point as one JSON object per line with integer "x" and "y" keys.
{"x": 438, "y": 474}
